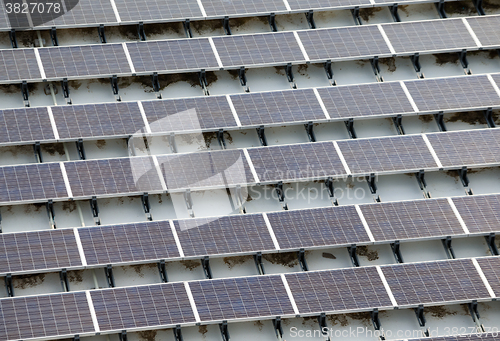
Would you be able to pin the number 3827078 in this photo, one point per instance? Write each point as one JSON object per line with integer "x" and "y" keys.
{"x": 33, "y": 7}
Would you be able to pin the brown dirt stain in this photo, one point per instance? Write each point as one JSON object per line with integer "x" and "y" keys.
{"x": 202, "y": 330}
{"x": 445, "y": 58}
{"x": 75, "y": 85}
{"x": 439, "y": 312}
{"x": 236, "y": 260}
{"x": 164, "y": 28}
{"x": 280, "y": 70}
{"x": 328, "y": 255}
{"x": 208, "y": 25}
{"x": 147, "y": 335}
{"x": 364, "y": 251}
{"x": 75, "y": 276}
{"x": 389, "y": 62}
{"x": 69, "y": 206}
{"x": 259, "y": 324}
{"x": 302, "y": 70}
{"x": 234, "y": 73}
{"x": 101, "y": 144}
{"x": 28, "y": 281}
{"x": 367, "y": 13}
{"x": 18, "y": 150}
{"x": 53, "y": 148}
{"x": 460, "y": 7}
{"x": 190, "y": 264}
{"x": 426, "y": 118}
{"x": 10, "y": 88}
{"x": 288, "y": 259}
{"x": 491, "y": 4}
{"x": 212, "y": 137}
{"x": 128, "y": 31}
{"x": 34, "y": 207}
{"x": 140, "y": 267}
{"x": 470, "y": 117}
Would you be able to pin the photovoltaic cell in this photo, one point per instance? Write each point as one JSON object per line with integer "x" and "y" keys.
{"x": 467, "y": 148}
{"x": 324, "y": 4}
{"x": 491, "y": 270}
{"x": 365, "y": 100}
{"x": 189, "y": 114}
{"x": 257, "y": 49}
{"x": 128, "y": 243}
{"x": 277, "y": 107}
{"x": 18, "y": 65}
{"x": 90, "y": 60}
{"x": 25, "y": 125}
{"x": 43, "y": 316}
{"x": 338, "y": 290}
{"x": 215, "y": 8}
{"x": 96, "y": 120}
{"x": 299, "y": 161}
{"x": 235, "y": 298}
{"x": 481, "y": 214}
{"x": 486, "y": 30}
{"x": 435, "y": 282}
{"x": 420, "y": 36}
{"x": 151, "y": 10}
{"x": 318, "y": 227}
{"x": 171, "y": 55}
{"x": 143, "y": 306}
{"x": 453, "y": 93}
{"x": 31, "y": 182}
{"x": 113, "y": 176}
{"x": 207, "y": 169}
{"x": 346, "y": 42}
{"x": 220, "y": 235}
{"x": 85, "y": 12}
{"x": 471, "y": 337}
{"x": 27, "y": 251}
{"x": 401, "y": 153}
{"x": 411, "y": 219}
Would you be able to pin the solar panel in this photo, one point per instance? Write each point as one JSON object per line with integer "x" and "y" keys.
{"x": 98, "y": 120}
{"x": 31, "y": 182}
{"x": 113, "y": 176}
{"x": 496, "y": 78}
{"x": 146, "y": 10}
{"x": 128, "y": 243}
{"x": 277, "y": 107}
{"x": 453, "y": 93}
{"x": 90, "y": 60}
{"x": 25, "y": 125}
{"x": 467, "y": 148}
{"x": 318, "y": 227}
{"x": 189, "y": 114}
{"x": 44, "y": 316}
{"x": 401, "y": 153}
{"x": 435, "y": 282}
{"x": 220, "y": 8}
{"x": 490, "y": 267}
{"x": 411, "y": 219}
{"x": 82, "y": 12}
{"x": 480, "y": 213}
{"x": 220, "y": 235}
{"x": 172, "y": 55}
{"x": 485, "y": 29}
{"x": 299, "y": 161}
{"x": 325, "y": 4}
{"x": 143, "y": 306}
{"x": 246, "y": 297}
{"x": 338, "y": 290}
{"x": 345, "y": 42}
{"x": 258, "y": 49}
{"x": 18, "y": 65}
{"x": 27, "y": 251}
{"x": 420, "y": 36}
{"x": 472, "y": 337}
{"x": 365, "y": 100}
{"x": 208, "y": 169}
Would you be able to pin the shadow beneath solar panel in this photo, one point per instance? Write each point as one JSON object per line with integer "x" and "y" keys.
{"x": 414, "y": 12}
{"x": 470, "y": 247}
{"x": 21, "y": 218}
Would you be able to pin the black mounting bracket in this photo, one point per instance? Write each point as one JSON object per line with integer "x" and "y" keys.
{"x": 49, "y": 205}
{"x": 187, "y": 28}
{"x": 189, "y": 202}
{"x": 278, "y": 327}
{"x": 162, "y": 269}
{"x": 1, "y": 222}
{"x": 156, "y": 84}
{"x": 102, "y": 35}
{"x": 221, "y": 139}
{"x": 375, "y": 319}
{"x": 398, "y": 123}
{"x": 281, "y": 194}
{"x": 301, "y": 254}
{"x": 479, "y": 7}
{"x": 65, "y": 90}
{"x": 53, "y": 36}
{"x": 396, "y": 251}
{"x": 289, "y": 75}
{"x": 80, "y": 148}
{"x": 395, "y": 13}
{"x": 225, "y": 24}
{"x": 463, "y": 176}
{"x": 243, "y": 78}
{"x": 26, "y": 93}
{"x": 140, "y": 31}
{"x": 355, "y": 16}
{"x": 205, "y": 263}
{"x": 178, "y": 333}
{"x": 490, "y": 240}
{"x": 349, "y": 124}
{"x": 448, "y": 248}
{"x": 262, "y": 135}
{"x": 258, "y": 263}
{"x": 38, "y": 152}
{"x": 474, "y": 312}
{"x": 224, "y": 331}
{"x": 13, "y": 39}
{"x": 439, "y": 117}
{"x": 440, "y": 9}
{"x": 272, "y": 22}
{"x": 329, "y": 72}
{"x": 370, "y": 179}
{"x": 63, "y": 276}
{"x": 76, "y": 338}
{"x": 331, "y": 190}
{"x": 376, "y": 69}
{"x": 419, "y": 311}
{"x": 123, "y": 336}
{"x": 9, "y": 286}
{"x": 114, "y": 86}
{"x": 310, "y": 131}
{"x": 95, "y": 210}
{"x": 108, "y": 271}
{"x": 421, "y": 179}
{"x": 323, "y": 327}
{"x": 353, "y": 255}
{"x": 488, "y": 115}
{"x": 310, "y": 19}
{"x": 146, "y": 206}
{"x": 202, "y": 76}
{"x": 415, "y": 60}
{"x": 463, "y": 58}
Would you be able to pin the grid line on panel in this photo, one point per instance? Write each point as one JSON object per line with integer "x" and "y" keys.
{"x": 18, "y": 65}
{"x": 25, "y": 125}
{"x": 150, "y": 10}
{"x": 435, "y": 282}
{"x": 325, "y": 4}
{"x": 490, "y": 267}
{"x": 481, "y": 214}
{"x": 230, "y": 234}
{"x": 318, "y": 227}
{"x": 486, "y": 29}
{"x": 220, "y": 8}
